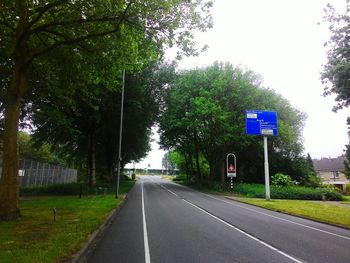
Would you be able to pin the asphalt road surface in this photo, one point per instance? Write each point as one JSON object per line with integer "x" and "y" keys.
{"x": 164, "y": 222}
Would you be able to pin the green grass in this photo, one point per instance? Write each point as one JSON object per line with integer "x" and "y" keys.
{"x": 320, "y": 211}
{"x": 337, "y": 213}
{"x": 36, "y": 237}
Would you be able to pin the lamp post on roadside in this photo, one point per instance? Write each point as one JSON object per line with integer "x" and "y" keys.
{"x": 120, "y": 137}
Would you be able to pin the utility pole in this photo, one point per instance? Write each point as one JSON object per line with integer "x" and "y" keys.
{"x": 120, "y": 138}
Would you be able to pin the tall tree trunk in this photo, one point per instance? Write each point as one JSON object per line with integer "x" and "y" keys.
{"x": 9, "y": 182}
{"x": 190, "y": 159}
{"x": 223, "y": 175}
{"x": 92, "y": 160}
{"x": 188, "y": 170}
{"x": 212, "y": 169}
{"x": 110, "y": 170}
{"x": 197, "y": 157}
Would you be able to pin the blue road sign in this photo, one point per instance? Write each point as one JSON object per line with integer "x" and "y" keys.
{"x": 260, "y": 122}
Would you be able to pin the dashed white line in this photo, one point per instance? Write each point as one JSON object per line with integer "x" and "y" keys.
{"x": 276, "y": 217}
{"x": 282, "y": 219}
{"x": 245, "y": 233}
{"x": 145, "y": 236}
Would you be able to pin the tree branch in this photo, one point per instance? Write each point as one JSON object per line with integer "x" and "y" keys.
{"x": 6, "y": 24}
{"x": 42, "y": 10}
{"x": 71, "y": 41}
{"x": 72, "y": 23}
{"x": 84, "y": 37}
{"x": 82, "y": 21}
{"x": 5, "y": 70}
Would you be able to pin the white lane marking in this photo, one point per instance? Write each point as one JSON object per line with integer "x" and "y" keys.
{"x": 282, "y": 219}
{"x": 145, "y": 236}
{"x": 168, "y": 190}
{"x": 244, "y": 233}
{"x": 276, "y": 217}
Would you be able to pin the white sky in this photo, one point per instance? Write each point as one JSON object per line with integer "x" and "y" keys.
{"x": 281, "y": 41}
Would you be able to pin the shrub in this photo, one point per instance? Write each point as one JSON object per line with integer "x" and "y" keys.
{"x": 288, "y": 192}
{"x": 250, "y": 190}
{"x": 347, "y": 189}
{"x": 280, "y": 179}
{"x": 330, "y": 192}
{"x": 54, "y": 189}
{"x": 180, "y": 177}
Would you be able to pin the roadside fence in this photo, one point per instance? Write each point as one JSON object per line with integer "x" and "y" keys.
{"x": 34, "y": 173}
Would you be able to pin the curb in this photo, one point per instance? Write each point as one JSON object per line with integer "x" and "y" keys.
{"x": 86, "y": 249}
{"x": 290, "y": 214}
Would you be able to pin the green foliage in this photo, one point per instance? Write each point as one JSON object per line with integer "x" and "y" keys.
{"x": 347, "y": 189}
{"x": 347, "y": 160}
{"x": 55, "y": 189}
{"x": 331, "y": 193}
{"x": 291, "y": 192}
{"x": 280, "y": 179}
{"x": 63, "y": 52}
{"x": 204, "y": 119}
{"x": 29, "y": 149}
{"x": 74, "y": 189}
{"x": 336, "y": 72}
{"x": 250, "y": 190}
{"x": 180, "y": 178}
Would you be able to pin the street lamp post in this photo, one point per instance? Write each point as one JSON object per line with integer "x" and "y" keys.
{"x": 120, "y": 137}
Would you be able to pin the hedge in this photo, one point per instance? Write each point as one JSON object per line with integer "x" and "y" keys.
{"x": 288, "y": 192}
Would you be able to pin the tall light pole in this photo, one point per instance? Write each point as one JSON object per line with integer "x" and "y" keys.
{"x": 120, "y": 137}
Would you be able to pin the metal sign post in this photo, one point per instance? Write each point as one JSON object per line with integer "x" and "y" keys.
{"x": 266, "y": 165}
{"x": 260, "y": 122}
{"x": 231, "y": 167}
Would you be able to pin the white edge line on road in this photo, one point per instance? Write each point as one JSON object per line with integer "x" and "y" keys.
{"x": 276, "y": 217}
{"x": 244, "y": 233}
{"x": 145, "y": 237}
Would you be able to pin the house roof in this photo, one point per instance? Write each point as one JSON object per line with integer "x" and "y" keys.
{"x": 329, "y": 164}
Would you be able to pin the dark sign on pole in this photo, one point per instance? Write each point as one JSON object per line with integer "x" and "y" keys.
{"x": 231, "y": 165}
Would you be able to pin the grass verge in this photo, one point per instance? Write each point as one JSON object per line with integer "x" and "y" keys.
{"x": 337, "y": 213}
{"x": 326, "y": 212}
{"x": 37, "y": 237}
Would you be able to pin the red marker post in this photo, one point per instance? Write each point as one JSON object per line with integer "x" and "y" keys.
{"x": 231, "y": 167}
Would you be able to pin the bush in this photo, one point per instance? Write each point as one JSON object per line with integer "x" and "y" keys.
{"x": 250, "y": 190}
{"x": 179, "y": 178}
{"x": 74, "y": 189}
{"x": 280, "y": 179}
{"x": 288, "y": 192}
{"x": 347, "y": 189}
{"x": 331, "y": 192}
{"x": 54, "y": 189}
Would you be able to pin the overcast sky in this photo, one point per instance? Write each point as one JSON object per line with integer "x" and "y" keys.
{"x": 282, "y": 41}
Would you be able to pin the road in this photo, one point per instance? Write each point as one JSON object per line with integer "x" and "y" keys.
{"x": 165, "y": 222}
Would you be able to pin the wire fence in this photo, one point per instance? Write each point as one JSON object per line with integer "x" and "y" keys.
{"x": 34, "y": 173}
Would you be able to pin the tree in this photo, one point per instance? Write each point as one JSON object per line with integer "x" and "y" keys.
{"x": 347, "y": 162}
{"x": 204, "y": 118}
{"x": 32, "y": 29}
{"x": 28, "y": 149}
{"x": 336, "y": 73}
